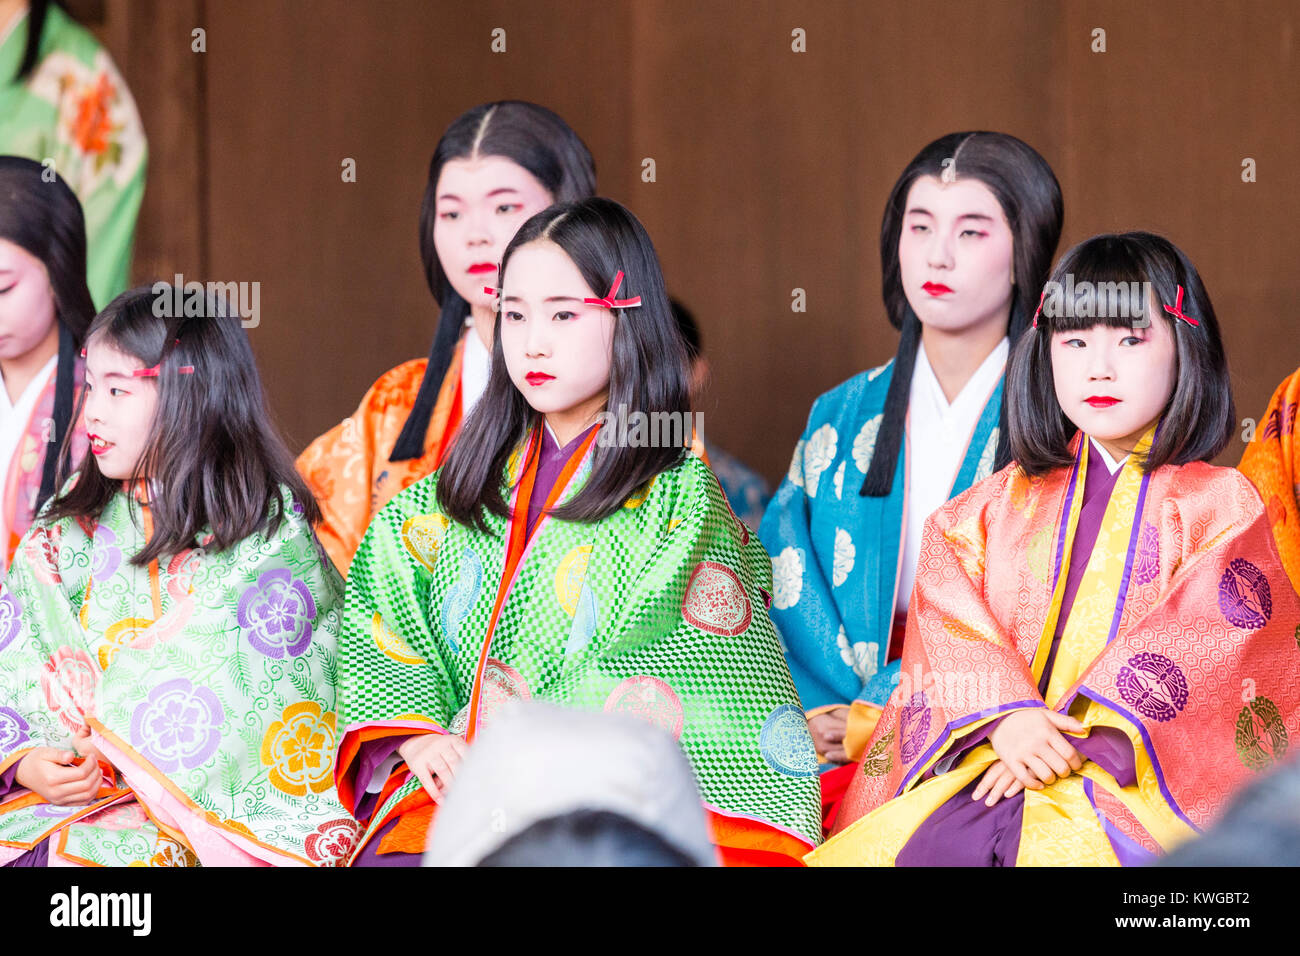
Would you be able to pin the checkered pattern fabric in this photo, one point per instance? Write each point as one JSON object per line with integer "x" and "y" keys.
{"x": 658, "y": 610}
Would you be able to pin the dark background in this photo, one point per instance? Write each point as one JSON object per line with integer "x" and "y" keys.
{"x": 772, "y": 166}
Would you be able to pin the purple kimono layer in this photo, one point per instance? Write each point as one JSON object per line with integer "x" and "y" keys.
{"x": 964, "y": 832}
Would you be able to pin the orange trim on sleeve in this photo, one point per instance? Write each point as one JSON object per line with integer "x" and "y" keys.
{"x": 744, "y": 842}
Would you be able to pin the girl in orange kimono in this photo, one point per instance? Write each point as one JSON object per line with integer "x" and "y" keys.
{"x": 1272, "y": 463}
{"x": 45, "y": 309}
{"x": 495, "y": 166}
{"x": 1093, "y": 694}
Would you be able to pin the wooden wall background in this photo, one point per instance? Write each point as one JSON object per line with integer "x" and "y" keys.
{"x": 772, "y": 166}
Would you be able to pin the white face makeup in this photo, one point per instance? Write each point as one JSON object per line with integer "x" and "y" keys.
{"x": 119, "y": 409}
{"x": 27, "y": 314}
{"x": 1114, "y": 383}
{"x": 954, "y": 254}
{"x": 557, "y": 349}
{"x": 481, "y": 203}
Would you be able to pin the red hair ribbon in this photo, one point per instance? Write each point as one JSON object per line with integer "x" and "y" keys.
{"x": 1177, "y": 310}
{"x": 1040, "y": 307}
{"x": 610, "y": 302}
{"x": 153, "y": 372}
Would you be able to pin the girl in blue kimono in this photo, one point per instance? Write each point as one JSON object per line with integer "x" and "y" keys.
{"x": 967, "y": 241}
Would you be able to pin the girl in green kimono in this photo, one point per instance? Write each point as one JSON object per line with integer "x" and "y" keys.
{"x": 168, "y": 628}
{"x": 566, "y": 552}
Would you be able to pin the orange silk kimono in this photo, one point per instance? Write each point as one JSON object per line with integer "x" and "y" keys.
{"x": 1183, "y": 636}
{"x": 348, "y": 469}
{"x": 1272, "y": 463}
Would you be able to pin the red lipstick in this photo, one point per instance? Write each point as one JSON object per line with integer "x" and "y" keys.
{"x": 1101, "y": 401}
{"x": 480, "y": 267}
{"x": 538, "y": 378}
{"x": 936, "y": 288}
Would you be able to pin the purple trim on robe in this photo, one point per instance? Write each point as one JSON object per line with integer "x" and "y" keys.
{"x": 1127, "y": 850}
{"x": 551, "y": 460}
{"x": 1146, "y": 742}
{"x": 1129, "y": 556}
{"x": 370, "y": 755}
{"x": 964, "y": 832}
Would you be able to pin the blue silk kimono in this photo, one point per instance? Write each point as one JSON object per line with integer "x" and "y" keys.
{"x": 835, "y": 553}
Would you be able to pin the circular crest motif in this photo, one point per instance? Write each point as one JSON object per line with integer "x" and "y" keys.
{"x": 878, "y": 760}
{"x": 715, "y": 600}
{"x": 501, "y": 684}
{"x": 1153, "y": 685}
{"x": 649, "y": 699}
{"x": 1146, "y": 566}
{"x": 569, "y": 577}
{"x": 913, "y": 726}
{"x": 392, "y": 644}
{"x": 333, "y": 841}
{"x": 1244, "y": 595}
{"x": 786, "y": 744}
{"x": 1261, "y": 735}
{"x": 422, "y": 536}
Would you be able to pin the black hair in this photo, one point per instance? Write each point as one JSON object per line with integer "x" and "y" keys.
{"x": 1030, "y": 196}
{"x": 532, "y": 137}
{"x": 1199, "y": 420}
{"x": 213, "y": 458}
{"x": 648, "y": 371}
{"x": 587, "y": 838}
{"x": 36, "y": 13}
{"x": 41, "y": 214}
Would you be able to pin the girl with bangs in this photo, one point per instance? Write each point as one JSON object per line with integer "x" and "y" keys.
{"x": 1103, "y": 642}
{"x": 168, "y": 627}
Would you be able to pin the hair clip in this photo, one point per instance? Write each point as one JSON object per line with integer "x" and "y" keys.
{"x": 153, "y": 372}
{"x": 610, "y": 302}
{"x": 1040, "y": 307}
{"x": 491, "y": 291}
{"x": 1177, "y": 310}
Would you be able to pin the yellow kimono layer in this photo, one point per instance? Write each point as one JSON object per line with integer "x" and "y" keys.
{"x": 1183, "y": 637}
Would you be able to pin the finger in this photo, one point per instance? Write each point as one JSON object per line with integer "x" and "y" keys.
{"x": 997, "y": 786}
{"x": 59, "y": 775}
{"x": 1070, "y": 755}
{"x": 993, "y": 781}
{"x": 986, "y": 781}
{"x": 459, "y": 745}
{"x": 1040, "y": 770}
{"x": 837, "y": 755}
{"x": 443, "y": 770}
{"x": 1004, "y": 787}
{"x": 834, "y": 736}
{"x": 1022, "y": 773}
{"x": 1066, "y": 722}
{"x": 426, "y": 780}
{"x": 1055, "y": 761}
{"x": 1014, "y": 788}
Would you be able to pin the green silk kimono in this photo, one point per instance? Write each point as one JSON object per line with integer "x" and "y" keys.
{"x": 75, "y": 110}
{"x": 206, "y": 680}
{"x": 659, "y": 611}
